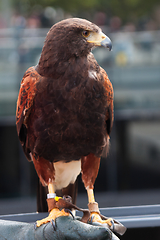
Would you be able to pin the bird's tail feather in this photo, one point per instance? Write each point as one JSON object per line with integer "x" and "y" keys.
{"x": 41, "y": 197}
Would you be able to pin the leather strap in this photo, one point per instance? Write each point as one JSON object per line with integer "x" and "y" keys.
{"x": 66, "y": 202}
{"x": 116, "y": 226}
{"x": 93, "y": 207}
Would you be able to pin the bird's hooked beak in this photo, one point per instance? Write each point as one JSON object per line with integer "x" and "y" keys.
{"x": 100, "y": 39}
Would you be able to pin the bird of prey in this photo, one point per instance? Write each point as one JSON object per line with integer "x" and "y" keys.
{"x": 64, "y": 111}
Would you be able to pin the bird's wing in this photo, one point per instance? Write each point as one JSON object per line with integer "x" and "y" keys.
{"x": 24, "y": 103}
{"x": 110, "y": 109}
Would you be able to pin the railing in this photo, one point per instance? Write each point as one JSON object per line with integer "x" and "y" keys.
{"x": 133, "y": 66}
{"x": 132, "y": 217}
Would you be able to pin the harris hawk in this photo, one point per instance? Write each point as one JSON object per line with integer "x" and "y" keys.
{"x": 64, "y": 111}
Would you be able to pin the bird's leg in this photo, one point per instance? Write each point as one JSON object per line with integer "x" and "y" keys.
{"x": 90, "y": 167}
{"x": 45, "y": 171}
{"x": 90, "y": 193}
{"x": 54, "y": 212}
{"x": 94, "y": 209}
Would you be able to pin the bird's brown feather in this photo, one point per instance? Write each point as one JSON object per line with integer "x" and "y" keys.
{"x": 65, "y": 103}
{"x": 24, "y": 105}
{"x": 65, "y": 118}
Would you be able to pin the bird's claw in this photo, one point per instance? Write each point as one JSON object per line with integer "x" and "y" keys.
{"x": 53, "y": 224}
{"x": 69, "y": 211}
{"x": 112, "y": 225}
{"x": 35, "y": 225}
{"x": 91, "y": 220}
{"x": 98, "y": 221}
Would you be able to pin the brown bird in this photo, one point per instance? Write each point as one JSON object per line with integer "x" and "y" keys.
{"x": 65, "y": 111}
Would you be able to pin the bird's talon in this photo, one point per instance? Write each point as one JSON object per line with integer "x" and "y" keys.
{"x": 96, "y": 219}
{"x": 69, "y": 211}
{"x": 35, "y": 225}
{"x": 53, "y": 224}
{"x": 110, "y": 222}
{"x": 91, "y": 220}
{"x": 112, "y": 226}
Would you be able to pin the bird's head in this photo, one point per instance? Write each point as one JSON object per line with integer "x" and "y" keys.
{"x": 73, "y": 37}
{"x": 94, "y": 36}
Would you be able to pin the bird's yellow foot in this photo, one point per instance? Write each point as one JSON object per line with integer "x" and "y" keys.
{"x": 54, "y": 213}
{"x": 95, "y": 218}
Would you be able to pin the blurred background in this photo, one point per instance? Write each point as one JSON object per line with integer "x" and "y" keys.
{"x": 131, "y": 173}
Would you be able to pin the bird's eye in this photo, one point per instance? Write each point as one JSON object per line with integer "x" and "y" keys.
{"x": 85, "y": 33}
